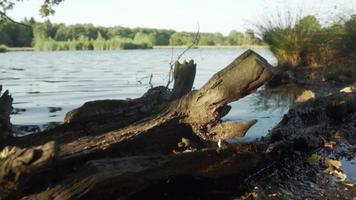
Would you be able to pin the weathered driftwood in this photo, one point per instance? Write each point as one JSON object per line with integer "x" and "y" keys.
{"x": 200, "y": 111}
{"x": 132, "y": 174}
{"x": 5, "y": 111}
{"x": 291, "y": 134}
{"x": 101, "y": 128}
{"x": 18, "y": 165}
{"x": 302, "y": 129}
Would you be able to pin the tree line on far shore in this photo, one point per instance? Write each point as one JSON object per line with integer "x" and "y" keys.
{"x": 48, "y": 36}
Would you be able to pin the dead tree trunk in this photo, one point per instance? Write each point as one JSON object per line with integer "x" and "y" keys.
{"x": 132, "y": 174}
{"x": 302, "y": 129}
{"x": 200, "y": 110}
{"x": 5, "y": 111}
{"x": 92, "y": 133}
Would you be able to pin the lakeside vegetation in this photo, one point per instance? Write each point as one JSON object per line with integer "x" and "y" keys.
{"x": 3, "y": 48}
{"x": 53, "y": 37}
{"x": 295, "y": 43}
{"x": 306, "y": 42}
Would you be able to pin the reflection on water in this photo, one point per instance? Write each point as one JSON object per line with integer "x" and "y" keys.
{"x": 275, "y": 97}
{"x": 349, "y": 168}
{"x": 267, "y": 105}
{"x": 46, "y": 85}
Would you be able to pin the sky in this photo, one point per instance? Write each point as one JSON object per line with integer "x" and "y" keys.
{"x": 181, "y": 15}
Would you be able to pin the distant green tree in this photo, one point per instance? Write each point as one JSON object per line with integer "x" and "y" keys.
{"x": 350, "y": 35}
{"x": 24, "y": 36}
{"x": 163, "y": 36}
{"x": 235, "y": 38}
{"x": 250, "y": 38}
{"x": 15, "y": 35}
{"x": 148, "y": 38}
{"x": 5, "y": 38}
{"x": 181, "y": 38}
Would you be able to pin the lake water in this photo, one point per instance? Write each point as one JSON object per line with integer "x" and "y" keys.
{"x": 46, "y": 85}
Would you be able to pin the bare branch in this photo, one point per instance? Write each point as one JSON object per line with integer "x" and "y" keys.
{"x": 4, "y": 16}
{"x": 150, "y": 81}
{"x": 150, "y": 77}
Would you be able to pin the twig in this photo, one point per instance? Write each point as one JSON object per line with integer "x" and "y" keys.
{"x": 7, "y": 18}
{"x": 172, "y": 63}
{"x": 150, "y": 81}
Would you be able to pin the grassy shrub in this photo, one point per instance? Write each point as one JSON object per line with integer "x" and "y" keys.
{"x": 304, "y": 42}
{"x": 349, "y": 39}
{"x": 3, "y": 48}
{"x": 284, "y": 44}
{"x": 292, "y": 42}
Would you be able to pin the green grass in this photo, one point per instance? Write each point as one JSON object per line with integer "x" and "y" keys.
{"x": 293, "y": 42}
{"x": 3, "y": 48}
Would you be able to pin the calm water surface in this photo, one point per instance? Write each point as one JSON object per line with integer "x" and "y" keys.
{"x": 46, "y": 85}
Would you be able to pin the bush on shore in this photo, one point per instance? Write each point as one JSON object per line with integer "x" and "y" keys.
{"x": 3, "y": 48}
{"x": 305, "y": 43}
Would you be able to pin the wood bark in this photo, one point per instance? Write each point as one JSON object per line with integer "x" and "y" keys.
{"x": 5, "y": 111}
{"x": 18, "y": 165}
{"x": 132, "y": 174}
{"x": 184, "y": 75}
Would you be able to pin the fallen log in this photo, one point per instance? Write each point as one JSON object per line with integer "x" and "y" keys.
{"x": 198, "y": 113}
{"x": 196, "y": 116}
{"x": 132, "y": 174}
{"x": 128, "y": 176}
{"x": 200, "y": 110}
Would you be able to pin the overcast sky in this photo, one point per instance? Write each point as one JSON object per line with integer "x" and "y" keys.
{"x": 182, "y": 15}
